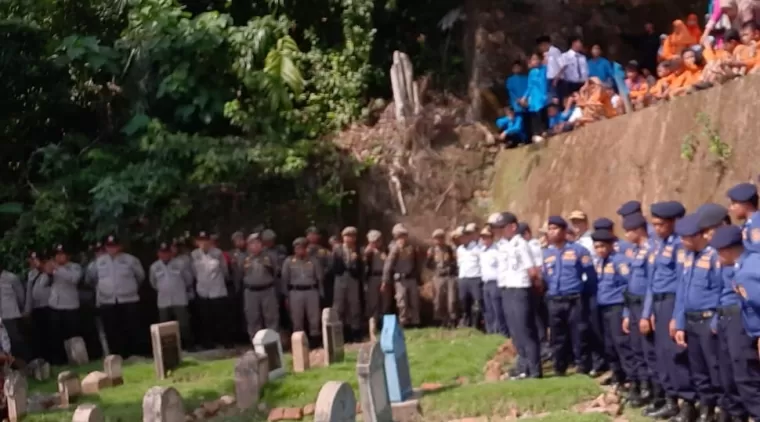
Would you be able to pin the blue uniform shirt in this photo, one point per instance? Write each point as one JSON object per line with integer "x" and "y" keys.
{"x": 601, "y": 68}
{"x": 700, "y": 287}
{"x": 638, "y": 257}
{"x": 665, "y": 261}
{"x": 516, "y": 86}
{"x": 537, "y": 91}
{"x": 512, "y": 125}
{"x": 565, "y": 268}
{"x": 613, "y": 274}
{"x": 747, "y": 284}
{"x": 728, "y": 295}
{"x": 751, "y": 233}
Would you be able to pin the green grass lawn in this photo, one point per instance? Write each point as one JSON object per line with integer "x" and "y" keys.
{"x": 434, "y": 356}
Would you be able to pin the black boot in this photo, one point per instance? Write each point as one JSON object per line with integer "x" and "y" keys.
{"x": 634, "y": 395}
{"x": 688, "y": 413}
{"x": 647, "y": 393}
{"x": 667, "y": 411}
{"x": 707, "y": 413}
{"x": 723, "y": 416}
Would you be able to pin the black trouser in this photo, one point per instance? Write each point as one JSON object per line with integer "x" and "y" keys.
{"x": 182, "y": 315}
{"x": 65, "y": 324}
{"x": 536, "y": 123}
{"x": 41, "y": 334}
{"x": 89, "y": 331}
{"x": 19, "y": 347}
{"x": 124, "y": 330}
{"x": 193, "y": 306}
{"x": 566, "y": 89}
{"x": 215, "y": 322}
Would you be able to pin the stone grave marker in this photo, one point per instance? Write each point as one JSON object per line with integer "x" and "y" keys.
{"x": 373, "y": 388}
{"x": 335, "y": 403}
{"x": 167, "y": 352}
{"x": 94, "y": 382}
{"x": 299, "y": 343}
{"x": 69, "y": 387}
{"x": 332, "y": 335}
{"x": 247, "y": 380}
{"x": 112, "y": 367}
{"x": 163, "y": 404}
{"x": 397, "y": 373}
{"x": 16, "y": 390}
{"x": 263, "y": 365}
{"x": 39, "y": 369}
{"x": 76, "y": 351}
{"x": 267, "y": 342}
{"x": 88, "y": 413}
{"x": 372, "y": 329}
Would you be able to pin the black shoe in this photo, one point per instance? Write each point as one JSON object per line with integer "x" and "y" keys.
{"x": 707, "y": 413}
{"x": 688, "y": 413}
{"x": 669, "y": 410}
{"x": 647, "y": 392}
{"x": 652, "y": 407}
{"x": 634, "y": 397}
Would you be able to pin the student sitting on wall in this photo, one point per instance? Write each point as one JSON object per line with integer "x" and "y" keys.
{"x": 512, "y": 130}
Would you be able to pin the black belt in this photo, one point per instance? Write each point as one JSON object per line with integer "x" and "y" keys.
{"x": 304, "y": 288}
{"x": 565, "y": 298}
{"x": 612, "y": 308}
{"x": 259, "y": 288}
{"x": 663, "y": 296}
{"x": 699, "y": 316}
{"x": 731, "y": 310}
{"x": 632, "y": 299}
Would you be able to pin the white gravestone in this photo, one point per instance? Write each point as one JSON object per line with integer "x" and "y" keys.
{"x": 335, "y": 403}
{"x": 163, "y": 404}
{"x": 268, "y": 342}
{"x": 87, "y": 413}
{"x": 15, "y": 390}
{"x": 373, "y": 388}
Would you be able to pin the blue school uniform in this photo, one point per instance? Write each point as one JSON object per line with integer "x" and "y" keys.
{"x": 601, "y": 68}
{"x": 513, "y": 126}
{"x": 538, "y": 89}
{"x": 516, "y": 86}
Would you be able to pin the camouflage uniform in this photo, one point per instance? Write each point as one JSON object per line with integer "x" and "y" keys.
{"x": 401, "y": 269}
{"x": 374, "y": 259}
{"x": 302, "y": 277}
{"x": 348, "y": 267}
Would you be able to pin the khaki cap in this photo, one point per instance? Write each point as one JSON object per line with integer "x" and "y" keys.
{"x": 438, "y": 233}
{"x": 457, "y": 232}
{"x": 486, "y": 232}
{"x": 299, "y": 241}
{"x": 237, "y": 235}
{"x": 399, "y": 229}
{"x": 577, "y": 215}
{"x": 268, "y": 235}
{"x": 470, "y": 228}
{"x": 349, "y": 231}
{"x": 374, "y": 235}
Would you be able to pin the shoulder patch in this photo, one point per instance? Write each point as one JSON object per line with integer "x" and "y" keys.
{"x": 754, "y": 235}
{"x": 681, "y": 255}
{"x": 741, "y": 291}
{"x": 624, "y": 270}
{"x": 585, "y": 260}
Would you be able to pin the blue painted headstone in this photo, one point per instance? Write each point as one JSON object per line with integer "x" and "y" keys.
{"x": 396, "y": 362}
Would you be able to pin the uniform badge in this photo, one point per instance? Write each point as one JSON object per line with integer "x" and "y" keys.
{"x": 754, "y": 235}
{"x": 609, "y": 269}
{"x": 629, "y": 253}
{"x": 651, "y": 259}
{"x": 624, "y": 270}
{"x": 585, "y": 260}
{"x": 741, "y": 291}
{"x": 681, "y": 255}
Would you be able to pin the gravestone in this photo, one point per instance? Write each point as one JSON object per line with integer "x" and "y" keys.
{"x": 247, "y": 380}
{"x": 396, "y": 361}
{"x": 263, "y": 365}
{"x": 94, "y": 382}
{"x": 88, "y": 413}
{"x": 69, "y": 387}
{"x": 112, "y": 367}
{"x": 332, "y": 335}
{"x": 267, "y": 342}
{"x": 167, "y": 352}
{"x": 372, "y": 329}
{"x": 39, "y": 369}
{"x": 299, "y": 343}
{"x": 16, "y": 390}
{"x": 163, "y": 404}
{"x": 373, "y": 388}
{"x": 76, "y": 351}
{"x": 335, "y": 403}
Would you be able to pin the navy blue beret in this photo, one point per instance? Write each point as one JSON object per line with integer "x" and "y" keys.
{"x": 630, "y": 207}
{"x": 667, "y": 210}
{"x": 743, "y": 192}
{"x": 558, "y": 221}
{"x": 522, "y": 227}
{"x": 726, "y": 236}
{"x": 688, "y": 226}
{"x": 603, "y": 223}
{"x": 634, "y": 221}
{"x": 508, "y": 218}
{"x": 603, "y": 236}
{"x": 711, "y": 215}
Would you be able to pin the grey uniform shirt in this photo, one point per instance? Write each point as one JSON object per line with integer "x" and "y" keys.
{"x": 301, "y": 272}
{"x": 37, "y": 291}
{"x": 63, "y": 289}
{"x": 171, "y": 280}
{"x": 11, "y": 295}
{"x": 187, "y": 262}
{"x": 117, "y": 279}
{"x": 259, "y": 270}
{"x": 401, "y": 264}
{"x": 211, "y": 272}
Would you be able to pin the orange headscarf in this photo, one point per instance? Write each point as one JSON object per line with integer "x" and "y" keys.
{"x": 679, "y": 40}
{"x": 694, "y": 30}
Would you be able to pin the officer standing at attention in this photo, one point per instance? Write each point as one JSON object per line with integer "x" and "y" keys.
{"x": 401, "y": 269}
{"x": 321, "y": 254}
{"x": 348, "y": 267}
{"x": 117, "y": 277}
{"x": 302, "y": 277}
{"x": 667, "y": 267}
{"x": 744, "y": 202}
{"x": 539, "y": 303}
{"x": 645, "y": 387}
{"x": 470, "y": 293}
{"x": 634, "y": 207}
{"x": 441, "y": 260}
{"x": 376, "y": 294}
{"x": 38, "y": 307}
{"x": 489, "y": 270}
{"x": 496, "y": 224}
{"x": 613, "y": 271}
{"x": 742, "y": 340}
{"x": 172, "y": 278}
{"x": 604, "y": 223}
{"x": 211, "y": 272}
{"x": 564, "y": 266}
{"x": 696, "y": 318}
{"x": 64, "y": 298}
{"x": 237, "y": 256}
{"x": 260, "y": 304}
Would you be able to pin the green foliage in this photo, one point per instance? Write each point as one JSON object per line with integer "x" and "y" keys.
{"x": 688, "y": 147}
{"x": 719, "y": 150}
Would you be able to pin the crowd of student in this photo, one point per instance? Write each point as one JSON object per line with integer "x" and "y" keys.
{"x": 565, "y": 90}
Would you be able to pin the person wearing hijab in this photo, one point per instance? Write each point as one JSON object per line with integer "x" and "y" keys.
{"x": 678, "y": 41}
{"x": 692, "y": 24}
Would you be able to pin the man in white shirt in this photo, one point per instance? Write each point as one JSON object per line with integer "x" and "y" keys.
{"x": 469, "y": 285}
{"x": 489, "y": 269}
{"x": 579, "y": 222}
{"x": 552, "y": 55}
{"x": 539, "y": 303}
{"x": 518, "y": 272}
{"x": 573, "y": 70}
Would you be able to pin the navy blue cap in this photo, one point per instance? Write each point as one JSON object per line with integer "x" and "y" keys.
{"x": 558, "y": 221}
{"x": 726, "y": 236}
{"x": 634, "y": 221}
{"x": 603, "y": 236}
{"x": 688, "y": 225}
{"x": 522, "y": 227}
{"x": 508, "y": 218}
{"x": 630, "y": 207}
{"x": 667, "y": 210}
{"x": 743, "y": 192}
{"x": 711, "y": 215}
{"x": 603, "y": 223}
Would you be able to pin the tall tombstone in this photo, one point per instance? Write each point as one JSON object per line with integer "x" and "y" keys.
{"x": 263, "y": 365}
{"x": 299, "y": 344}
{"x": 335, "y": 403}
{"x": 397, "y": 373}
{"x": 163, "y": 404}
{"x": 69, "y": 387}
{"x": 167, "y": 351}
{"x": 247, "y": 380}
{"x": 332, "y": 335}
{"x": 112, "y": 367}
{"x": 88, "y": 413}
{"x": 76, "y": 351}
{"x": 16, "y": 390}
{"x": 267, "y": 342}
{"x": 373, "y": 388}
